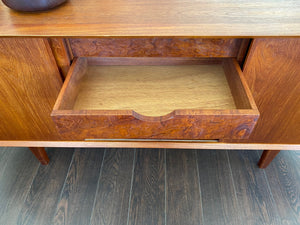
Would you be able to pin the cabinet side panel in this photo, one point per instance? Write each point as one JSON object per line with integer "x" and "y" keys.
{"x": 272, "y": 71}
{"x": 30, "y": 82}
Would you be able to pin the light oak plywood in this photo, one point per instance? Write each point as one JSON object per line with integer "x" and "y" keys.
{"x": 154, "y": 90}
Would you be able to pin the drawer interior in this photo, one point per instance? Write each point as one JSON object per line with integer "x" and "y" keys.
{"x": 154, "y": 90}
{"x": 155, "y": 86}
{"x": 155, "y": 98}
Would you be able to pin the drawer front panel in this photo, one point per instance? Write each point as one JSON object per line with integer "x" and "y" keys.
{"x": 81, "y": 127}
{"x": 155, "y": 47}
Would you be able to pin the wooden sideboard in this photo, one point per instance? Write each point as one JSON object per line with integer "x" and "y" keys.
{"x": 45, "y": 58}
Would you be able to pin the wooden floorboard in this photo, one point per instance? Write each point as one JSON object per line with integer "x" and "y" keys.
{"x": 183, "y": 197}
{"x": 80, "y": 187}
{"x": 220, "y": 206}
{"x": 147, "y": 203}
{"x": 5, "y": 155}
{"x": 148, "y": 186}
{"x": 284, "y": 179}
{"x": 40, "y": 204}
{"x": 255, "y": 200}
{"x": 112, "y": 198}
{"x": 18, "y": 168}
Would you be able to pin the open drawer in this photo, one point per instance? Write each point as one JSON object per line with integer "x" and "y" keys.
{"x": 155, "y": 98}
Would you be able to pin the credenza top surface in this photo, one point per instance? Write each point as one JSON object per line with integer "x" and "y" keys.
{"x": 202, "y": 18}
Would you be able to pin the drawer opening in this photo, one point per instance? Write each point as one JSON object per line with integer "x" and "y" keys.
{"x": 155, "y": 98}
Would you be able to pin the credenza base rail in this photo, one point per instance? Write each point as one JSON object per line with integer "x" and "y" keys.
{"x": 150, "y": 144}
{"x": 37, "y": 147}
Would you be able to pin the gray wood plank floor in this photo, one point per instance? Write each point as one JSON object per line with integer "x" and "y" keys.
{"x": 148, "y": 187}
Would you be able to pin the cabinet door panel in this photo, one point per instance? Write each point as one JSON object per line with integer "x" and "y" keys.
{"x": 30, "y": 82}
{"x": 272, "y": 71}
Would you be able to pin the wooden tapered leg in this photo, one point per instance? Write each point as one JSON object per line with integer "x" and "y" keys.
{"x": 40, "y": 154}
{"x": 267, "y": 157}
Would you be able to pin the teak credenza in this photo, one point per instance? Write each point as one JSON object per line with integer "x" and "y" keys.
{"x": 195, "y": 74}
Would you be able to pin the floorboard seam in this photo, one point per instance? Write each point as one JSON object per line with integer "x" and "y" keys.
{"x": 97, "y": 188}
{"x": 63, "y": 187}
{"x": 130, "y": 193}
{"x": 199, "y": 184}
{"x": 233, "y": 184}
{"x": 28, "y": 191}
{"x": 6, "y": 153}
{"x": 269, "y": 187}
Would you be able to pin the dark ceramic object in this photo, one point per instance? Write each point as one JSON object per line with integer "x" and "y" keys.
{"x": 32, "y": 5}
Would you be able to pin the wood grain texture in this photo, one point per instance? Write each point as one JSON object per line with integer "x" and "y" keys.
{"x": 18, "y": 168}
{"x": 41, "y": 201}
{"x": 151, "y": 143}
{"x": 240, "y": 91}
{"x": 272, "y": 71}
{"x": 112, "y": 199}
{"x": 30, "y": 83}
{"x": 155, "y": 47}
{"x": 80, "y": 187}
{"x": 154, "y": 90}
{"x": 17, "y": 174}
{"x": 284, "y": 178}
{"x": 5, "y": 154}
{"x": 198, "y": 123}
{"x": 147, "y": 203}
{"x": 183, "y": 197}
{"x": 63, "y": 57}
{"x": 266, "y": 158}
{"x": 252, "y": 189}
{"x": 219, "y": 200}
{"x": 157, "y": 18}
{"x": 41, "y": 154}
{"x": 243, "y": 50}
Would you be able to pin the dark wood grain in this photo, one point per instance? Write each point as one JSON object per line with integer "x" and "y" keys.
{"x": 252, "y": 189}
{"x": 183, "y": 198}
{"x": 284, "y": 178}
{"x": 272, "y": 71}
{"x": 267, "y": 157}
{"x": 147, "y": 203}
{"x": 117, "y": 18}
{"x": 155, "y": 47}
{"x": 41, "y": 154}
{"x": 243, "y": 50}
{"x": 219, "y": 200}
{"x": 112, "y": 198}
{"x": 5, "y": 154}
{"x": 179, "y": 124}
{"x": 18, "y": 168}
{"x": 41, "y": 201}
{"x": 63, "y": 57}
{"x": 80, "y": 187}
{"x": 30, "y": 83}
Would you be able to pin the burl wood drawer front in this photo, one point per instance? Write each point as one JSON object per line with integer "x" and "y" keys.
{"x": 155, "y": 98}
{"x": 157, "y": 47}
